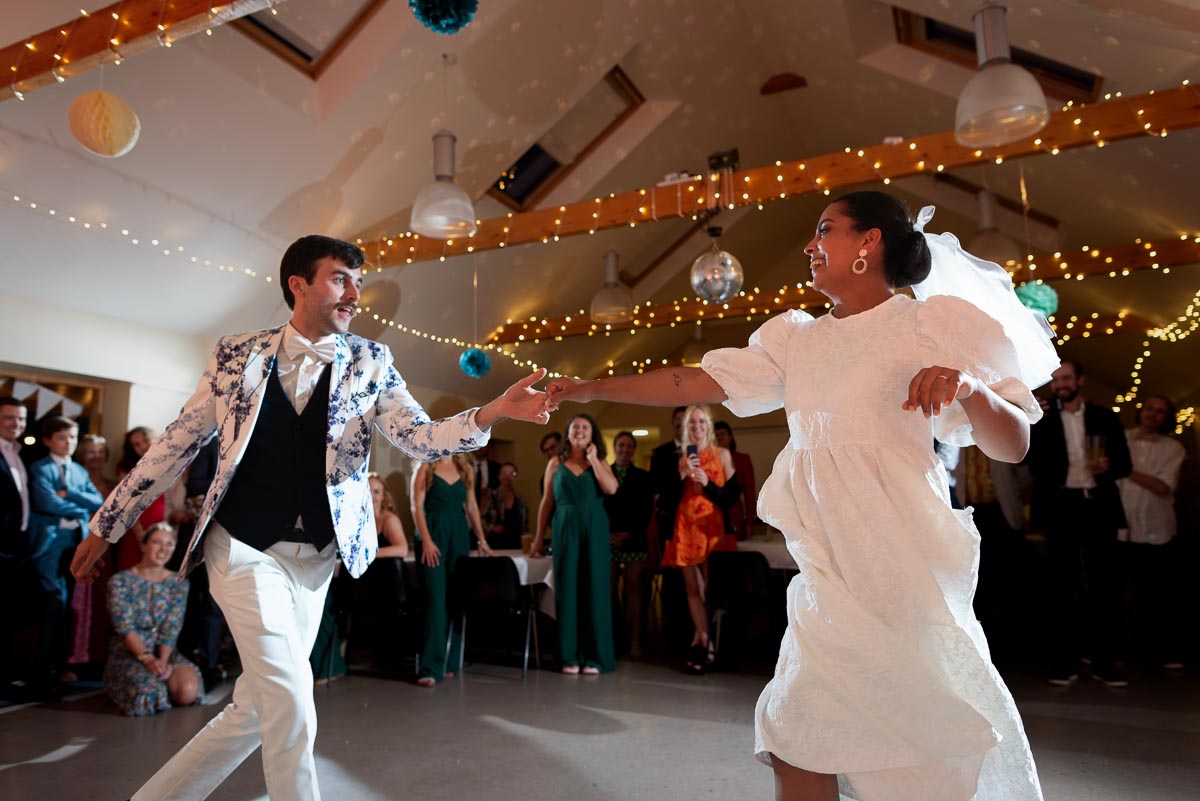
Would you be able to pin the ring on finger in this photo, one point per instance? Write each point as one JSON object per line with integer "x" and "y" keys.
{"x": 942, "y": 376}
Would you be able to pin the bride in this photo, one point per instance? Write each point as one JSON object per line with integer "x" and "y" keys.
{"x": 884, "y": 684}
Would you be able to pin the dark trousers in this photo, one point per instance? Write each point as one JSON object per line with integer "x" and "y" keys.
{"x": 1155, "y": 579}
{"x": 1085, "y": 587}
{"x": 51, "y": 563}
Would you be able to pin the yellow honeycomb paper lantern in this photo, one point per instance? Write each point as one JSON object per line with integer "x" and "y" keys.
{"x": 104, "y": 124}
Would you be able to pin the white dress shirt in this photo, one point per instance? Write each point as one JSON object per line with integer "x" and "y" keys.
{"x": 300, "y": 362}
{"x": 20, "y": 477}
{"x": 1151, "y": 517}
{"x": 62, "y": 462}
{"x": 1078, "y": 475}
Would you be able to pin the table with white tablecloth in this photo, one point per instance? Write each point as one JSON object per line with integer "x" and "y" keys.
{"x": 539, "y": 571}
{"x": 775, "y": 549}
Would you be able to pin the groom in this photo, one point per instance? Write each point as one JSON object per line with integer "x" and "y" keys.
{"x": 292, "y": 409}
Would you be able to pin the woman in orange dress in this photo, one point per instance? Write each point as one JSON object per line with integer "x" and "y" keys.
{"x": 709, "y": 486}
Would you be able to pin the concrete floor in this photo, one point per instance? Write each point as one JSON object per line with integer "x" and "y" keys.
{"x": 645, "y": 732}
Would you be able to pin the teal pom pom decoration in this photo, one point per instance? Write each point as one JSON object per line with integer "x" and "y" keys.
{"x": 444, "y": 16}
{"x": 475, "y": 363}
{"x": 1039, "y": 297}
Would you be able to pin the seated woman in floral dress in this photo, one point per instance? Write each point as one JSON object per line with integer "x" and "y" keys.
{"x": 144, "y": 673}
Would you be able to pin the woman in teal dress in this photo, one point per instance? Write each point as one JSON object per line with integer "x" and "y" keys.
{"x": 576, "y": 481}
{"x": 443, "y": 504}
{"x": 144, "y": 673}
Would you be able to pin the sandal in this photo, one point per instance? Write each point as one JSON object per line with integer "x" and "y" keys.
{"x": 570, "y": 670}
{"x": 426, "y": 681}
{"x": 591, "y": 670}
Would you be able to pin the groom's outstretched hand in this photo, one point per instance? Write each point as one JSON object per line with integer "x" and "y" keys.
{"x": 519, "y": 402}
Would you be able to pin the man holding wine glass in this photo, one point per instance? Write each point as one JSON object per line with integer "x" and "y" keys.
{"x": 1077, "y": 452}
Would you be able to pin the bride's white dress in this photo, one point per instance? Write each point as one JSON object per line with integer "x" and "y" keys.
{"x": 884, "y": 675}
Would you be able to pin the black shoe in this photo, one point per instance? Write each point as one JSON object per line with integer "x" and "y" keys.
{"x": 1109, "y": 676}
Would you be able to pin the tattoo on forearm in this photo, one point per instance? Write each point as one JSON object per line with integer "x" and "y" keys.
{"x": 675, "y": 377}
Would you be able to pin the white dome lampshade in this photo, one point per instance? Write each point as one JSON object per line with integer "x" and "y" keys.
{"x": 613, "y": 302}
{"x": 989, "y": 243}
{"x": 1002, "y": 103}
{"x": 443, "y": 210}
{"x": 104, "y": 124}
{"x": 693, "y": 352}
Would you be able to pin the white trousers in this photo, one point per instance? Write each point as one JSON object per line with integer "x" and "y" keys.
{"x": 273, "y": 602}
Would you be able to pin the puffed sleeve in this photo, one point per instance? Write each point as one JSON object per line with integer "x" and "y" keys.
{"x": 955, "y": 333}
{"x": 754, "y": 376}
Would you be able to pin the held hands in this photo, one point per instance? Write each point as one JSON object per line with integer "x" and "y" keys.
{"x": 936, "y": 387}
{"x": 519, "y": 402}
{"x": 561, "y": 389}
{"x": 1098, "y": 466}
{"x": 87, "y": 560}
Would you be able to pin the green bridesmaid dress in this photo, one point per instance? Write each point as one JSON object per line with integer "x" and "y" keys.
{"x": 582, "y": 562}
{"x": 446, "y": 518}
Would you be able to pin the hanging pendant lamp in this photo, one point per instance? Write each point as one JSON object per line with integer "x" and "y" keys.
{"x": 1002, "y": 103}
{"x": 613, "y": 302}
{"x": 989, "y": 243}
{"x": 443, "y": 209}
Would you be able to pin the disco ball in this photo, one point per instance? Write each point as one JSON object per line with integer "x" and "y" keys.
{"x": 716, "y": 275}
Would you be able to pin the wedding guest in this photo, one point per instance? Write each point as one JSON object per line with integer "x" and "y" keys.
{"x": 575, "y": 481}
{"x": 506, "y": 515}
{"x": 88, "y": 640}
{"x": 1148, "y": 497}
{"x": 1076, "y": 454}
{"x": 387, "y": 523}
{"x": 387, "y": 583}
{"x": 145, "y": 674}
{"x": 664, "y": 472}
{"x": 137, "y": 442}
{"x": 710, "y": 485}
{"x": 487, "y": 474}
{"x": 629, "y": 511}
{"x": 14, "y": 536}
{"x": 62, "y": 499}
{"x": 744, "y": 511}
{"x": 203, "y": 624}
{"x": 443, "y": 506}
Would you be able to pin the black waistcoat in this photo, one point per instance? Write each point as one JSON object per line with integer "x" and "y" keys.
{"x": 282, "y": 474}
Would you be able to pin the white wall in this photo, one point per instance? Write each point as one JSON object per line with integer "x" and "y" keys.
{"x": 148, "y": 373}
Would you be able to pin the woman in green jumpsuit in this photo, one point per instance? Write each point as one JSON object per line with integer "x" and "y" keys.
{"x": 573, "y": 486}
{"x": 443, "y": 504}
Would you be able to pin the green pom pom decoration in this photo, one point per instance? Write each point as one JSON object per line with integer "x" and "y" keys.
{"x": 444, "y": 16}
{"x": 1039, "y": 297}
{"x": 475, "y": 363}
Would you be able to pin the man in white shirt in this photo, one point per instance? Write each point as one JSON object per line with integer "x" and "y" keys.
{"x": 293, "y": 409}
{"x": 1076, "y": 453}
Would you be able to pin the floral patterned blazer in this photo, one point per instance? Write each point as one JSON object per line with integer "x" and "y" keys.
{"x": 365, "y": 392}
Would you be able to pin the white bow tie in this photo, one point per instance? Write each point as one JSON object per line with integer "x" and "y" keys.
{"x": 323, "y": 350}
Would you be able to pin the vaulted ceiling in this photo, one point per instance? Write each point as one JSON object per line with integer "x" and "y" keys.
{"x": 240, "y": 152}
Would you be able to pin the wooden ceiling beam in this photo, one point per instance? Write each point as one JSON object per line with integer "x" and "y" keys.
{"x": 1114, "y": 262}
{"x": 110, "y": 34}
{"x": 1152, "y": 114}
